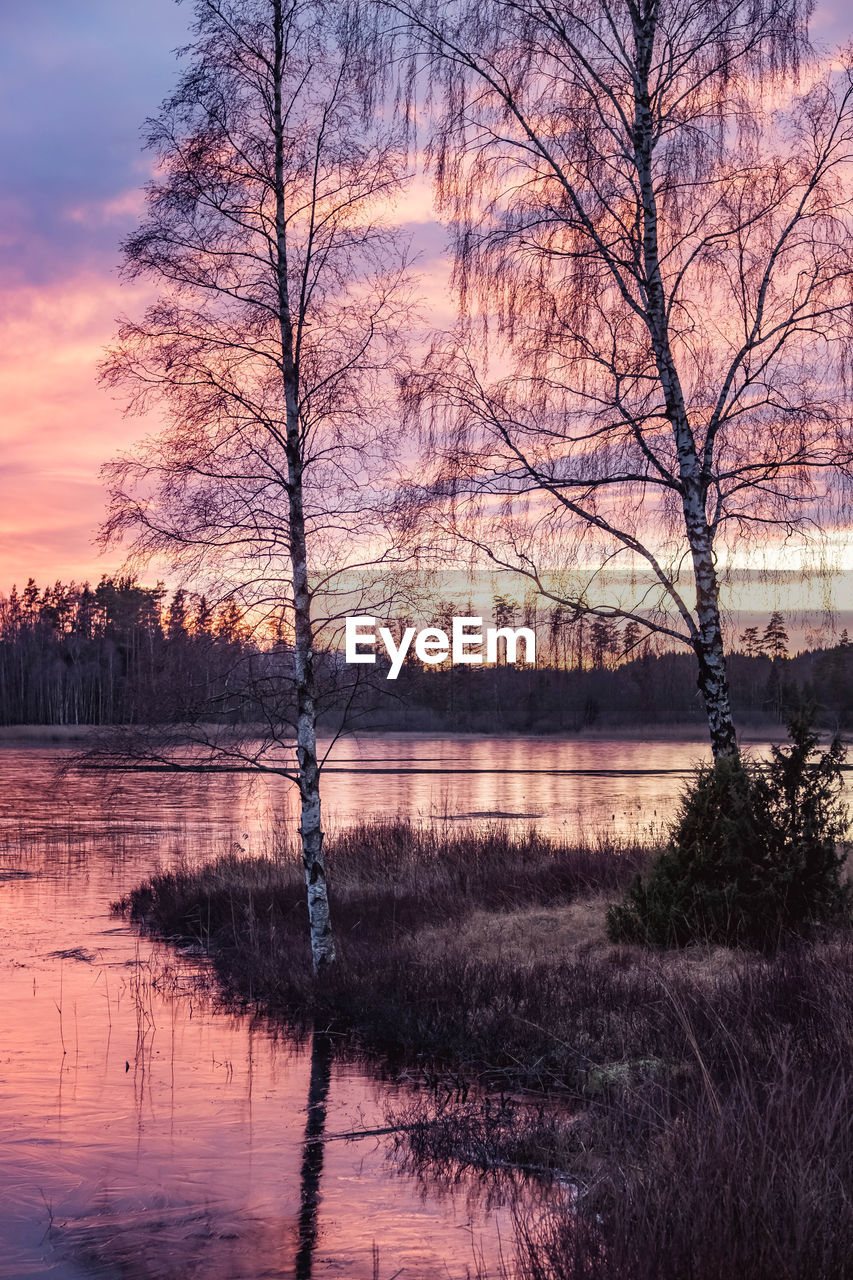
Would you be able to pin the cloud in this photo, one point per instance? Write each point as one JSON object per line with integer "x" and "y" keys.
{"x": 56, "y": 424}
{"x": 830, "y": 24}
{"x": 102, "y": 213}
{"x": 76, "y": 83}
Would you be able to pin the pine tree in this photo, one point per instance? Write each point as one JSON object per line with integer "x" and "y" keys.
{"x": 630, "y": 639}
{"x": 776, "y": 637}
{"x": 751, "y": 641}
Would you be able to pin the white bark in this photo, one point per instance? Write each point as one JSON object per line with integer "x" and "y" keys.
{"x": 310, "y": 828}
{"x": 708, "y": 636}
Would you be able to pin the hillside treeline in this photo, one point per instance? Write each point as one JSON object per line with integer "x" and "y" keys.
{"x": 122, "y": 653}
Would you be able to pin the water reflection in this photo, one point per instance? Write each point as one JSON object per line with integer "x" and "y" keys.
{"x": 146, "y": 1133}
{"x": 143, "y": 1131}
{"x": 312, "y": 1157}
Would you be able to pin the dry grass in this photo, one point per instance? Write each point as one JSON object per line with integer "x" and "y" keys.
{"x": 535, "y": 935}
{"x": 524, "y": 937}
{"x": 700, "y": 1101}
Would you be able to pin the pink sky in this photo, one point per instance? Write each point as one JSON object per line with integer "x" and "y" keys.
{"x": 77, "y": 83}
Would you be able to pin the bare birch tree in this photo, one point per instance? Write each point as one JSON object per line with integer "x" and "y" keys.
{"x": 283, "y": 301}
{"x": 651, "y": 202}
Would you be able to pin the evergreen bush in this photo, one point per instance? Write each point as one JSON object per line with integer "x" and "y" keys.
{"x": 754, "y": 854}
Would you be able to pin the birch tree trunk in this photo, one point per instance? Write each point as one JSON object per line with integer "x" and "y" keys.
{"x": 310, "y": 826}
{"x": 283, "y": 308}
{"x": 707, "y": 637}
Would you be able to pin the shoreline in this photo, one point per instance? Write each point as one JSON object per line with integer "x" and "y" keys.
{"x": 479, "y": 968}
{"x": 71, "y": 735}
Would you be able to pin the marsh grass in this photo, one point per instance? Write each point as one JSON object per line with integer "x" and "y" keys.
{"x": 435, "y": 960}
{"x": 698, "y": 1104}
{"x": 744, "y": 1168}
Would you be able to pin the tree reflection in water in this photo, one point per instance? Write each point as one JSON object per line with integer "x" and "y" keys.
{"x": 312, "y": 1156}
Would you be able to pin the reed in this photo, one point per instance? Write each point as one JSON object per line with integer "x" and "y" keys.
{"x": 696, "y": 1102}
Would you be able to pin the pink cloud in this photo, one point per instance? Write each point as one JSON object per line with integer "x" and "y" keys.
{"x": 56, "y": 427}
{"x": 118, "y": 209}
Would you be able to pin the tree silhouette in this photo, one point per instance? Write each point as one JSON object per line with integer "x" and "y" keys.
{"x": 752, "y": 643}
{"x": 282, "y": 313}
{"x": 654, "y": 265}
{"x": 775, "y": 638}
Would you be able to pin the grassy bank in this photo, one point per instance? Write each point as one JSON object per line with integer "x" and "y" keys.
{"x": 449, "y": 942}
{"x": 699, "y": 1100}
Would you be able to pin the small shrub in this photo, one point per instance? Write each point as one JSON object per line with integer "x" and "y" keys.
{"x": 754, "y": 853}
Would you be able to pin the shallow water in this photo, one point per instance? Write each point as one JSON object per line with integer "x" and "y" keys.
{"x": 143, "y": 1132}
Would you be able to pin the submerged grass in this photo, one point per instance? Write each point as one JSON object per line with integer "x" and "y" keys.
{"x": 700, "y": 1102}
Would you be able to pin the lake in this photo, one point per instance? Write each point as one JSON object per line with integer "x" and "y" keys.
{"x": 145, "y": 1132}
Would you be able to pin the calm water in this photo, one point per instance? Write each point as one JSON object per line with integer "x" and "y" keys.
{"x": 145, "y": 1134}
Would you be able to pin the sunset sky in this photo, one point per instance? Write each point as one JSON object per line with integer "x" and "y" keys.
{"x": 77, "y": 83}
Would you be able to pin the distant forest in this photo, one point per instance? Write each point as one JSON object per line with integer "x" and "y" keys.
{"x": 121, "y": 653}
{"x": 118, "y": 653}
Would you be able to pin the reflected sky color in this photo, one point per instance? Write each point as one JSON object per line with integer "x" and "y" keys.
{"x": 76, "y": 83}
{"x": 146, "y": 1135}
